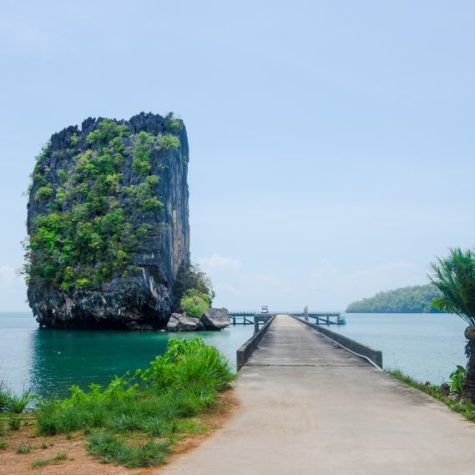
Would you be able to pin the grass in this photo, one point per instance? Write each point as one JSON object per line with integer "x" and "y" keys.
{"x": 14, "y": 422}
{"x": 465, "y": 408}
{"x": 40, "y": 463}
{"x": 11, "y": 403}
{"x": 136, "y": 418}
{"x": 3, "y": 444}
{"x": 109, "y": 447}
{"x": 12, "y": 407}
{"x": 24, "y": 449}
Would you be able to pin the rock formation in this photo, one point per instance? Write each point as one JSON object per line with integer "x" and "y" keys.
{"x": 212, "y": 319}
{"x": 215, "y": 319}
{"x": 108, "y": 224}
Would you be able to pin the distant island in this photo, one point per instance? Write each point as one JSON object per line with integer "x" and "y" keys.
{"x": 415, "y": 299}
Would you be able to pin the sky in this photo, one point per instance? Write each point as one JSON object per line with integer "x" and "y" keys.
{"x": 331, "y": 142}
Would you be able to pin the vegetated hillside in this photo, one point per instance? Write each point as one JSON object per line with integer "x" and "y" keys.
{"x": 416, "y": 299}
{"x": 108, "y": 223}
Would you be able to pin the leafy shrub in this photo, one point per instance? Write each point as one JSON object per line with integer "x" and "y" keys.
{"x": 44, "y": 193}
{"x": 191, "y": 281}
{"x": 194, "y": 303}
{"x": 457, "y": 380}
{"x": 172, "y": 123}
{"x": 168, "y": 142}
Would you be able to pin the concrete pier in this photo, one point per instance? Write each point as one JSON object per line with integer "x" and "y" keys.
{"x": 307, "y": 406}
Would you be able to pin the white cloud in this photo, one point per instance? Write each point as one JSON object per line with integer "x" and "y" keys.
{"x": 218, "y": 262}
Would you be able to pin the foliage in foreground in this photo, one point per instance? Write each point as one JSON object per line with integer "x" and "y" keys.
{"x": 13, "y": 404}
{"x": 454, "y": 276}
{"x": 416, "y": 299}
{"x": 134, "y": 420}
{"x": 464, "y": 407}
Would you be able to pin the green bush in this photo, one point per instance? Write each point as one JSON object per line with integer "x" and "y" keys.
{"x": 151, "y": 402}
{"x": 44, "y": 193}
{"x": 457, "y": 380}
{"x": 192, "y": 282}
{"x": 194, "y": 303}
{"x": 168, "y": 142}
{"x": 172, "y": 123}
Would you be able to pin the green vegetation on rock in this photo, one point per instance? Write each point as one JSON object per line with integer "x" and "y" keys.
{"x": 416, "y": 299}
{"x": 194, "y": 303}
{"x": 90, "y": 225}
{"x": 195, "y": 291}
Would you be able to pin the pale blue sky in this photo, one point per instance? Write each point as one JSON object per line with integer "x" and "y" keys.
{"x": 332, "y": 143}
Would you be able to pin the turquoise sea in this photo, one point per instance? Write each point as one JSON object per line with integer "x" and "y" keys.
{"x": 426, "y": 346}
{"x": 48, "y": 361}
{"x": 423, "y": 345}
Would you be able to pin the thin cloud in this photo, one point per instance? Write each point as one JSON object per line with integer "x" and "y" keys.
{"x": 219, "y": 262}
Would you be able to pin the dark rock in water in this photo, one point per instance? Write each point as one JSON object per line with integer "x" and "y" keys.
{"x": 122, "y": 280}
{"x": 215, "y": 319}
{"x": 181, "y": 323}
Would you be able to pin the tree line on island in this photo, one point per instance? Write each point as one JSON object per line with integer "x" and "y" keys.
{"x": 413, "y": 299}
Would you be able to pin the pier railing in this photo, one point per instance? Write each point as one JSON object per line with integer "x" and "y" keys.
{"x": 318, "y": 318}
{"x": 245, "y": 351}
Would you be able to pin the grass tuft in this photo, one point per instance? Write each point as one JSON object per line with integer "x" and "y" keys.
{"x": 24, "y": 449}
{"x": 3, "y": 444}
{"x": 14, "y": 422}
{"x": 110, "y": 448}
{"x": 465, "y": 408}
{"x": 57, "y": 459}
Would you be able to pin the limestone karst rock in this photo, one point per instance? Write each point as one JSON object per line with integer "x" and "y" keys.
{"x": 108, "y": 223}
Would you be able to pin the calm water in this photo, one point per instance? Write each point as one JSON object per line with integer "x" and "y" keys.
{"x": 425, "y": 346}
{"x": 48, "y": 361}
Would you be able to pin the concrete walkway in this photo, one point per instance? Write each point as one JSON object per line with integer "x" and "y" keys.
{"x": 310, "y": 407}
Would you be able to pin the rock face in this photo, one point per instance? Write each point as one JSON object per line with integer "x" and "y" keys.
{"x": 78, "y": 276}
{"x": 181, "y": 323}
{"x": 215, "y": 319}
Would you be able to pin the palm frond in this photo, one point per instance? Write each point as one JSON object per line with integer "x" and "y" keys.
{"x": 454, "y": 276}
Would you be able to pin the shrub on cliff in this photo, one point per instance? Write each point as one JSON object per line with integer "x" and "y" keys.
{"x": 194, "y": 303}
{"x": 194, "y": 290}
